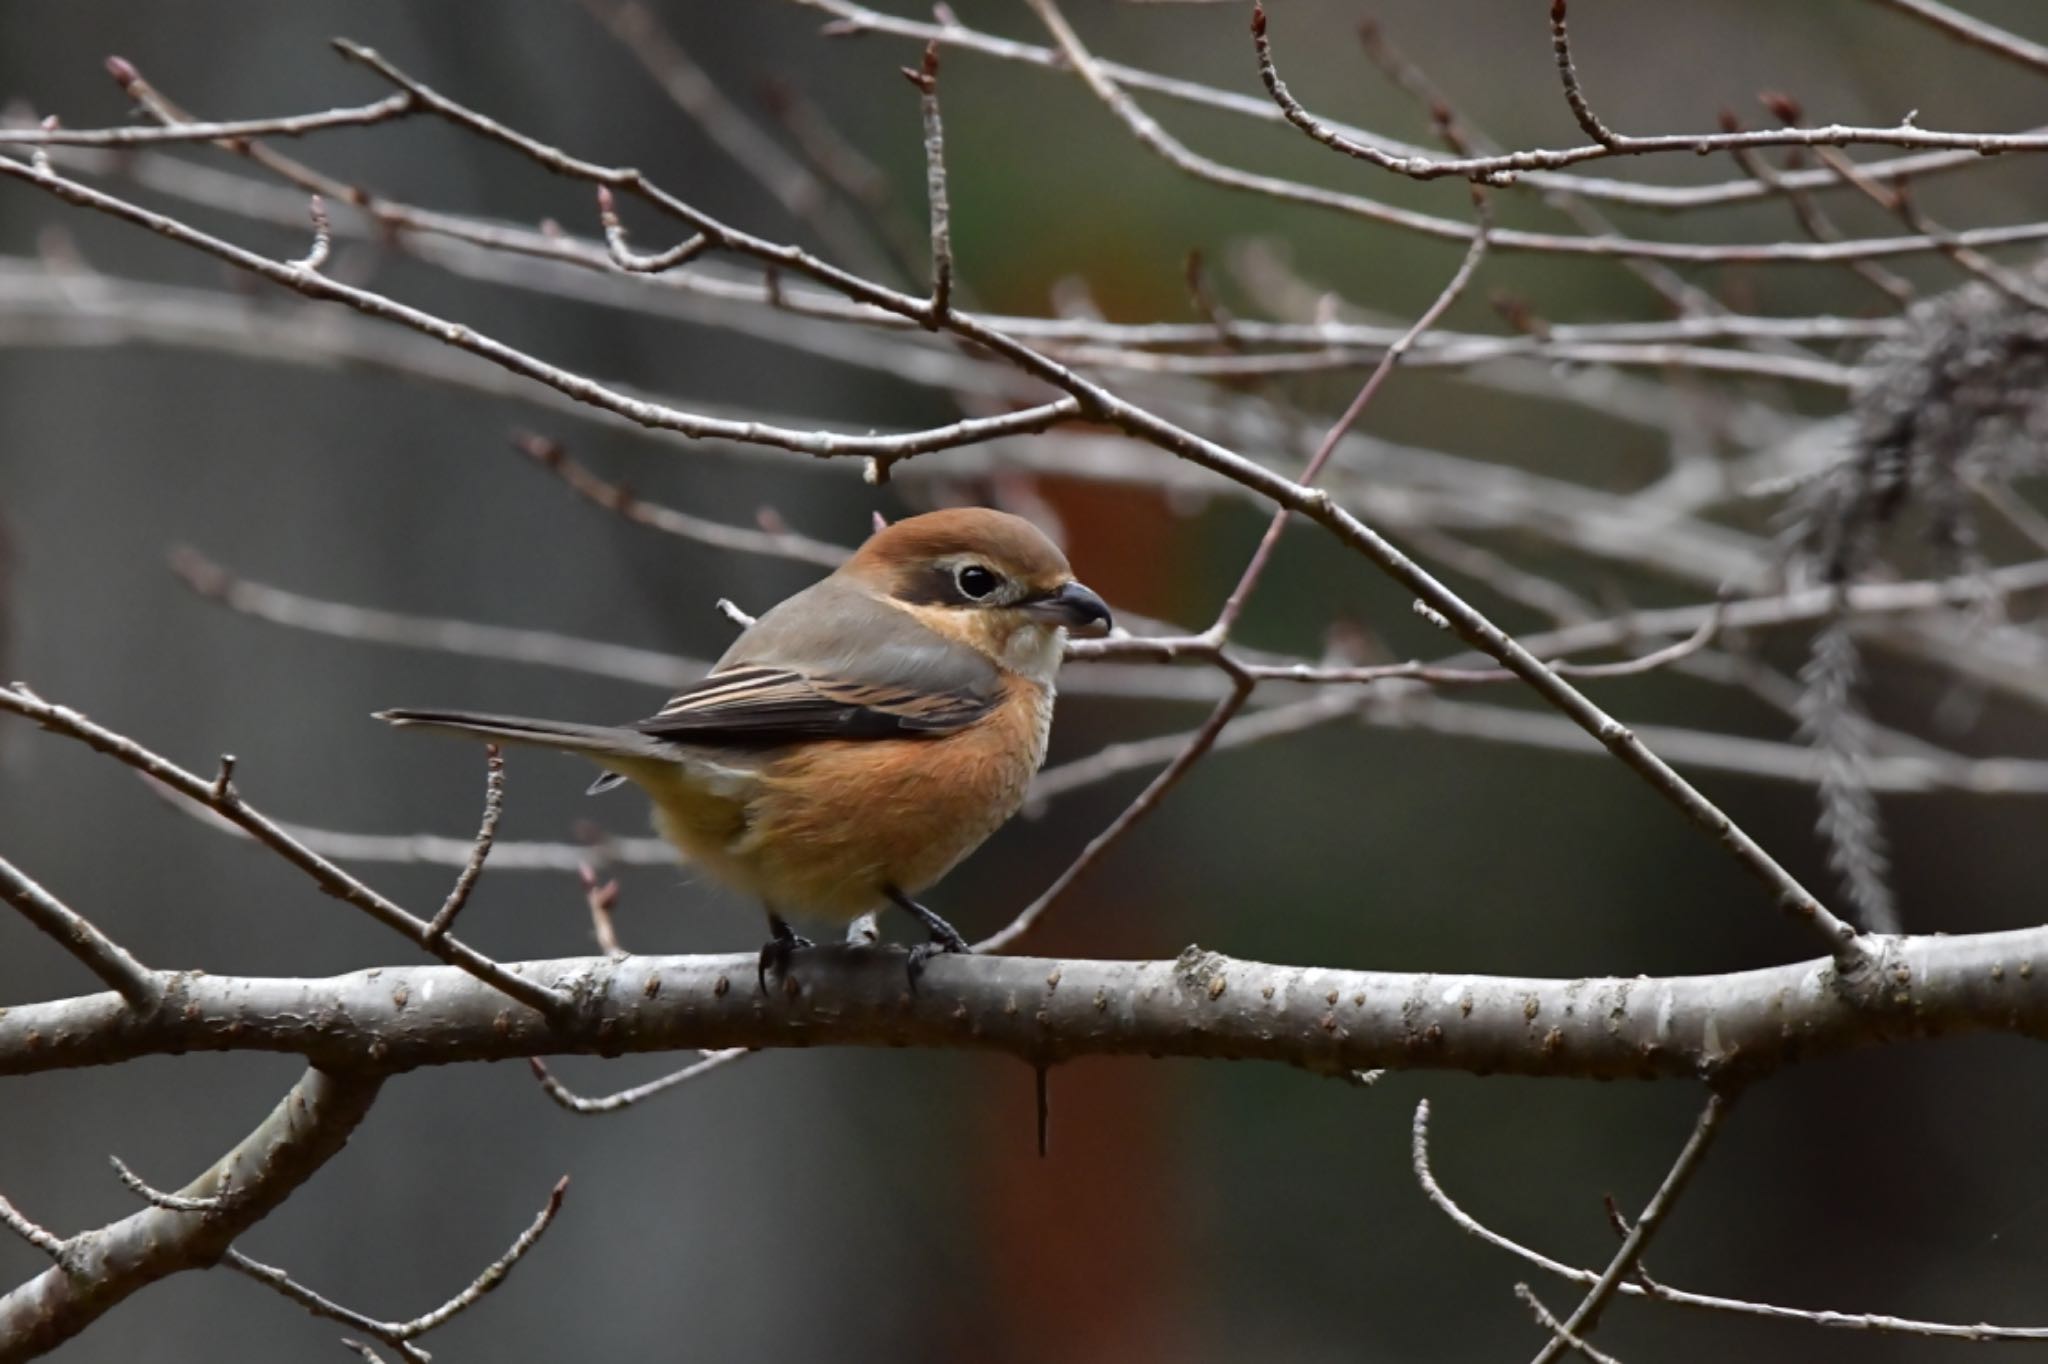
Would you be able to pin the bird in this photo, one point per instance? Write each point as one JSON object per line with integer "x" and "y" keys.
{"x": 860, "y": 738}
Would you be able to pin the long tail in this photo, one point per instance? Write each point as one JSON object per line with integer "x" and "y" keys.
{"x": 601, "y": 742}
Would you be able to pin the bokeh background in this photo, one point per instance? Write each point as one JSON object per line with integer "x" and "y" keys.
{"x": 851, "y": 1205}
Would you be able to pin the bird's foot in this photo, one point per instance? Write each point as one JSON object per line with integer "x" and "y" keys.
{"x": 944, "y": 939}
{"x": 777, "y": 952}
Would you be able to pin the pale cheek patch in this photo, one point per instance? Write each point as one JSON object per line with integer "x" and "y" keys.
{"x": 1034, "y": 651}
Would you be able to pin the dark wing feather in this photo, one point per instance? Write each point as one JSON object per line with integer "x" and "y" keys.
{"x": 832, "y": 662}
{"x": 766, "y": 706}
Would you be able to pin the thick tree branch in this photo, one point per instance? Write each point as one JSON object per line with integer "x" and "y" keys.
{"x": 1202, "y": 1004}
{"x": 97, "y": 1269}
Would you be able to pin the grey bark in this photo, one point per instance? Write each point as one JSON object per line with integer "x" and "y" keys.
{"x": 97, "y": 1269}
{"x": 1040, "y": 1009}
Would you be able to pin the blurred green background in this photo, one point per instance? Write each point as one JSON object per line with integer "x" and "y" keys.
{"x": 889, "y": 1205}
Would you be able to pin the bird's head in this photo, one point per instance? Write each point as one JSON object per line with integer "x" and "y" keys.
{"x": 985, "y": 578}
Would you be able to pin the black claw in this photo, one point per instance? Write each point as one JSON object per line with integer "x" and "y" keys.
{"x": 782, "y": 945}
{"x": 945, "y": 937}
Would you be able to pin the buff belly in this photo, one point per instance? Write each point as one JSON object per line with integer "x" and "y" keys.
{"x": 825, "y": 827}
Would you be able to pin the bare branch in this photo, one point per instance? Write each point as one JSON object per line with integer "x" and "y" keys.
{"x": 436, "y": 850}
{"x": 100, "y": 1268}
{"x": 659, "y": 416}
{"x": 566, "y": 1098}
{"x": 469, "y": 638}
{"x": 1549, "y": 1322}
{"x": 386, "y": 110}
{"x": 486, "y": 835}
{"x": 171, "y": 1202}
{"x": 850, "y": 18}
{"x": 1658, "y": 1291}
{"x": 632, "y": 262}
{"x": 620, "y": 500}
{"x": 1213, "y": 639}
{"x": 73, "y": 932}
{"x": 1084, "y": 397}
{"x": 1746, "y": 1022}
{"x": 1234, "y": 605}
{"x": 228, "y": 803}
{"x": 926, "y": 78}
{"x": 1587, "y": 1315}
{"x": 1814, "y": 220}
{"x": 1148, "y": 800}
{"x": 749, "y": 147}
{"x": 1567, "y": 72}
{"x": 35, "y": 1234}
{"x": 401, "y": 1334}
{"x": 1974, "y": 31}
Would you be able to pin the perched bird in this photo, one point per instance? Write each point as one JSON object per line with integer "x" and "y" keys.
{"x": 861, "y": 737}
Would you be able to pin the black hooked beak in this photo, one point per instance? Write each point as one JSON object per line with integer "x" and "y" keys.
{"x": 1075, "y": 607}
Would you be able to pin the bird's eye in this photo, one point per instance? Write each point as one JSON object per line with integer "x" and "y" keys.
{"x": 976, "y": 581}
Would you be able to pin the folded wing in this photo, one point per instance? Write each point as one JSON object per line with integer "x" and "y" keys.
{"x": 832, "y": 662}
{"x": 756, "y": 706}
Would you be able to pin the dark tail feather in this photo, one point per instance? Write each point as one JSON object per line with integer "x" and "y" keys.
{"x": 596, "y": 741}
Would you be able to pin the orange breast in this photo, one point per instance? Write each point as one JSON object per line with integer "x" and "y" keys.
{"x": 836, "y": 821}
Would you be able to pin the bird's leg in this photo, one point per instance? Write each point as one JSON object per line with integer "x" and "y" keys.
{"x": 782, "y": 944}
{"x": 945, "y": 937}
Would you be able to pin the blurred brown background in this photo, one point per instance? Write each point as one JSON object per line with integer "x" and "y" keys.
{"x": 889, "y": 1206}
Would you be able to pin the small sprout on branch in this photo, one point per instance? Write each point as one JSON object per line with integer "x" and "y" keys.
{"x": 625, "y": 258}
{"x": 1430, "y": 614}
{"x": 323, "y": 238}
{"x": 170, "y": 1202}
{"x": 601, "y": 897}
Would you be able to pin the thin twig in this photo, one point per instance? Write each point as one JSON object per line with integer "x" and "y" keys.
{"x": 32, "y": 1232}
{"x": 750, "y": 148}
{"x": 1568, "y": 73}
{"x": 849, "y": 18}
{"x": 1234, "y": 605}
{"x": 170, "y": 1202}
{"x": 1503, "y": 168}
{"x": 400, "y": 1334}
{"x": 1587, "y": 1314}
{"x": 566, "y": 1098}
{"x": 1242, "y": 682}
{"x": 385, "y": 110}
{"x": 633, "y": 262}
{"x": 323, "y": 237}
{"x": 229, "y": 804}
{"x": 926, "y": 78}
{"x": 480, "y": 849}
{"x": 76, "y": 934}
{"x": 1147, "y": 800}
{"x": 473, "y": 639}
{"x": 1814, "y": 220}
{"x": 600, "y": 898}
{"x": 659, "y": 416}
{"x": 1974, "y": 31}
{"x": 1658, "y": 1291}
{"x": 1549, "y": 1322}
{"x": 1084, "y": 398}
{"x": 623, "y": 502}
